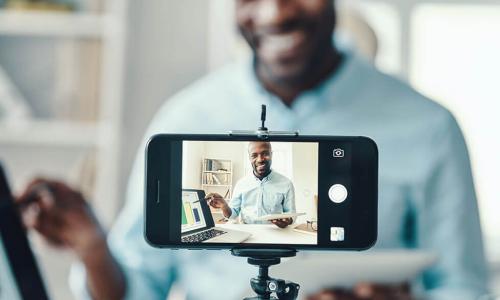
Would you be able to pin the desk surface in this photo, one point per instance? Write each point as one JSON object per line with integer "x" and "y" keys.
{"x": 272, "y": 234}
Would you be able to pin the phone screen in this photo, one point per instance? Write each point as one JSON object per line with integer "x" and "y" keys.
{"x": 213, "y": 191}
{"x": 251, "y": 192}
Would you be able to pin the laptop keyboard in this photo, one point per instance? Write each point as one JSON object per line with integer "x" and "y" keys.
{"x": 202, "y": 236}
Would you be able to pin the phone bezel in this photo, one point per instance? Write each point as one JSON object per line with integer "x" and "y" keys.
{"x": 157, "y": 213}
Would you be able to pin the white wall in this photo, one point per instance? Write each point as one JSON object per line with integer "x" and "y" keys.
{"x": 229, "y": 150}
{"x": 166, "y": 50}
{"x": 194, "y": 152}
{"x": 192, "y": 155}
{"x": 305, "y": 178}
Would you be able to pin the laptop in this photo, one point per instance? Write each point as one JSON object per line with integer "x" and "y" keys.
{"x": 19, "y": 275}
{"x": 197, "y": 224}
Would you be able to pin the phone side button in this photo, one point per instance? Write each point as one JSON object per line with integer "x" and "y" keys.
{"x": 158, "y": 192}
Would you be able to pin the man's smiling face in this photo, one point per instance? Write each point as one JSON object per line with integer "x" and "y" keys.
{"x": 288, "y": 37}
{"x": 260, "y": 154}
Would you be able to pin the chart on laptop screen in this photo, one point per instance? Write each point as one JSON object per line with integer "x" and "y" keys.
{"x": 192, "y": 215}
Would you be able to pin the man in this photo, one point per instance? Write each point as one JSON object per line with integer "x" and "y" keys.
{"x": 426, "y": 194}
{"x": 262, "y": 193}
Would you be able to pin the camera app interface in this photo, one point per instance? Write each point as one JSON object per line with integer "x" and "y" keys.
{"x": 249, "y": 192}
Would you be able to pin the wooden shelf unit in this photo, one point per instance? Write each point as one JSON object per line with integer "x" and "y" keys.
{"x": 217, "y": 176}
{"x": 101, "y": 135}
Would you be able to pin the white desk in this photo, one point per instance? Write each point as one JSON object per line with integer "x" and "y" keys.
{"x": 272, "y": 234}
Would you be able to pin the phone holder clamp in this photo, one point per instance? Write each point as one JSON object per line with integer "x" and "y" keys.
{"x": 262, "y": 132}
{"x": 263, "y": 285}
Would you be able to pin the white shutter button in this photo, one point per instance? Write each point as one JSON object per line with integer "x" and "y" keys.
{"x": 337, "y": 193}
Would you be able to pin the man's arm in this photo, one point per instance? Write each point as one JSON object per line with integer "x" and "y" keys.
{"x": 217, "y": 201}
{"x": 236, "y": 201}
{"x": 105, "y": 278}
{"x": 448, "y": 222}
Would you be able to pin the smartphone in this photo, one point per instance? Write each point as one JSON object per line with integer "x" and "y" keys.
{"x": 265, "y": 192}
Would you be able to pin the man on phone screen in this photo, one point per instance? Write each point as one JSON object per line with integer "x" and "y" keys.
{"x": 264, "y": 192}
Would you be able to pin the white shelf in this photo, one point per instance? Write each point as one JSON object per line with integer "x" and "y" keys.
{"x": 53, "y": 24}
{"x": 217, "y": 172}
{"x": 97, "y": 172}
{"x": 50, "y": 133}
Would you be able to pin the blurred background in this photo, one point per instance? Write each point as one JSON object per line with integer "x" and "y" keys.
{"x": 81, "y": 79}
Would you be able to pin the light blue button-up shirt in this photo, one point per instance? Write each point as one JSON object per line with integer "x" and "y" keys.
{"x": 426, "y": 192}
{"x": 253, "y": 197}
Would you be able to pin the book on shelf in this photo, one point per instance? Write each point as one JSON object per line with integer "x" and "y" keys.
{"x": 210, "y": 165}
{"x": 208, "y": 178}
{"x": 216, "y": 165}
{"x": 215, "y": 179}
{"x": 13, "y": 107}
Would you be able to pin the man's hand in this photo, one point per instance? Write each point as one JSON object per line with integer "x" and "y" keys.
{"x": 366, "y": 291}
{"x": 61, "y": 215}
{"x": 282, "y": 223}
{"x": 217, "y": 201}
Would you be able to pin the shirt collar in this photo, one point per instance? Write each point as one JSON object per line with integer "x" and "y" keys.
{"x": 265, "y": 179}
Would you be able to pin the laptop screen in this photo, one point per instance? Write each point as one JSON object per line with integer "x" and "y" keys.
{"x": 192, "y": 213}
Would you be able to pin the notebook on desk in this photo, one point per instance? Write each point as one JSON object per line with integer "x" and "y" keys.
{"x": 278, "y": 216}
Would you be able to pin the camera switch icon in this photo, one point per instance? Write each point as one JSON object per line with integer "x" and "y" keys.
{"x": 338, "y": 152}
{"x": 336, "y": 234}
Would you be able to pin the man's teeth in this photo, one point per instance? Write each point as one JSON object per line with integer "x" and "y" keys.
{"x": 280, "y": 40}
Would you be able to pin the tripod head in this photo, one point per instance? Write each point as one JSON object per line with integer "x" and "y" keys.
{"x": 263, "y": 285}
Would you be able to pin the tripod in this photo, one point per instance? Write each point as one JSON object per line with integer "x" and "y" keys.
{"x": 263, "y": 285}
